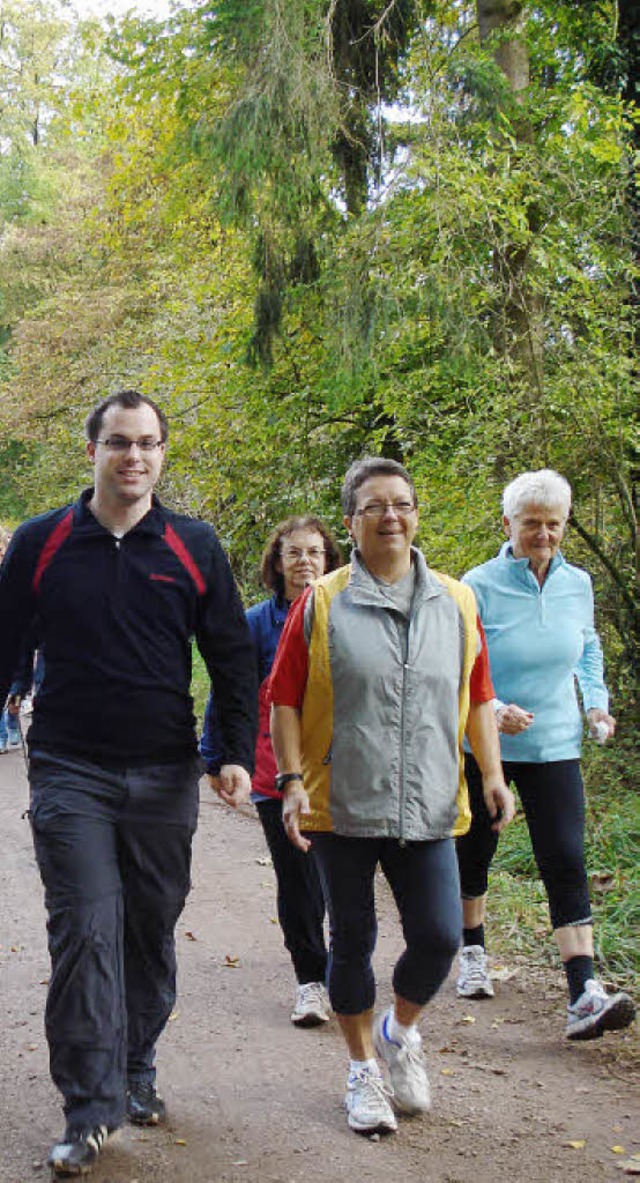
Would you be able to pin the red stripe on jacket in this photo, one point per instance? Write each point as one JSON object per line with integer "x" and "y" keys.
{"x": 179, "y": 549}
{"x": 55, "y": 540}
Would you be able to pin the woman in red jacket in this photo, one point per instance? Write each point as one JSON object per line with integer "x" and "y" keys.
{"x": 299, "y": 550}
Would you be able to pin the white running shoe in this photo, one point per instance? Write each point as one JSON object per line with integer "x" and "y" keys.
{"x": 595, "y": 1012}
{"x": 312, "y": 1006}
{"x": 473, "y": 973}
{"x": 367, "y": 1102}
{"x": 406, "y": 1066}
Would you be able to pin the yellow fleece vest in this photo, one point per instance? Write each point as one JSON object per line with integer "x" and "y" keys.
{"x": 317, "y": 708}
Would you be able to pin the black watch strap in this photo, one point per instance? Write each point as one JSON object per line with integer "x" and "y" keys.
{"x": 284, "y": 778}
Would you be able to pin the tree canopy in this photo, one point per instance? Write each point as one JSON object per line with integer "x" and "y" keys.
{"x": 319, "y": 228}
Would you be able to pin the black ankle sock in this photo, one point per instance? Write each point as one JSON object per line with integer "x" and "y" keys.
{"x": 578, "y": 969}
{"x": 473, "y": 936}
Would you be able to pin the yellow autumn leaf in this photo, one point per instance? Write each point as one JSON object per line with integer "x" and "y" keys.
{"x": 618, "y": 1150}
{"x": 578, "y": 1144}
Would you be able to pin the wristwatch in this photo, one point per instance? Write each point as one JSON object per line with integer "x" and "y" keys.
{"x": 284, "y": 779}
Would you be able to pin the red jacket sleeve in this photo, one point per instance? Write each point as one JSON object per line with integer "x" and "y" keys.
{"x": 480, "y": 684}
{"x": 288, "y": 680}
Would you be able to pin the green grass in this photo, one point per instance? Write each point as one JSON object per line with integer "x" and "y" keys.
{"x": 199, "y": 687}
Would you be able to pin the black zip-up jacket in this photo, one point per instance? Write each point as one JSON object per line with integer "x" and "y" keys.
{"x": 115, "y": 618}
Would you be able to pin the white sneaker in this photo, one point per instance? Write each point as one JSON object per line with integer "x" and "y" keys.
{"x": 14, "y": 740}
{"x": 312, "y": 1006}
{"x": 367, "y": 1102}
{"x": 473, "y": 973}
{"x": 595, "y": 1012}
{"x": 406, "y": 1066}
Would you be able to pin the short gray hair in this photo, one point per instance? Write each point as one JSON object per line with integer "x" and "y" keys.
{"x": 361, "y": 470}
{"x": 543, "y": 487}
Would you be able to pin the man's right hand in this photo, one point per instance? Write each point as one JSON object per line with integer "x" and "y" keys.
{"x": 295, "y": 805}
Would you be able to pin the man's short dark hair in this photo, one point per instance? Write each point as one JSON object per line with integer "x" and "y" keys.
{"x": 130, "y": 400}
{"x": 361, "y": 470}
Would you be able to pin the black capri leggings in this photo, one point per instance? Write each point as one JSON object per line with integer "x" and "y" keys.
{"x": 423, "y": 877}
{"x": 552, "y": 796}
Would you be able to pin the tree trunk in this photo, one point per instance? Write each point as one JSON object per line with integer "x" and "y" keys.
{"x": 518, "y": 334}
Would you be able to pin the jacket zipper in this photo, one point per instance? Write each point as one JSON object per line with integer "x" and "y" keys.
{"x": 405, "y": 665}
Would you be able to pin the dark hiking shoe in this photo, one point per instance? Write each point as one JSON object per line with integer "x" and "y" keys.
{"x": 144, "y": 1106}
{"x": 78, "y": 1151}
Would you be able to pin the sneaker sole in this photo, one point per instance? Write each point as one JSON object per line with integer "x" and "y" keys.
{"x": 314, "y": 1020}
{"x": 64, "y": 1172}
{"x": 152, "y": 1119}
{"x": 479, "y": 992}
{"x": 410, "y": 1110}
{"x": 382, "y": 1127}
{"x": 618, "y": 1016}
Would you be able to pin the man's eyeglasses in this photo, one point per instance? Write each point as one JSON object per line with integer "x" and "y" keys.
{"x": 377, "y": 509}
{"x": 121, "y": 443}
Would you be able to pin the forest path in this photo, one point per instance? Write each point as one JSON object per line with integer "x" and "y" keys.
{"x": 253, "y": 1100}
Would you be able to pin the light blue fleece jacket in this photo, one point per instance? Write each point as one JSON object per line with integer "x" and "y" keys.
{"x": 540, "y": 639}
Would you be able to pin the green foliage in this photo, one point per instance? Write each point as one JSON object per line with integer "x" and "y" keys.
{"x": 418, "y": 257}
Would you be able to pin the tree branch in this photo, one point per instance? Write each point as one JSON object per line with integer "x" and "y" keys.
{"x": 616, "y": 575}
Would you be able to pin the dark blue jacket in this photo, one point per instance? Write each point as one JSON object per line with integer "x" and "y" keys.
{"x": 266, "y": 621}
{"x": 116, "y": 618}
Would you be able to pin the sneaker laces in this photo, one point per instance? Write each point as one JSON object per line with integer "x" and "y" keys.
{"x": 371, "y": 1084}
{"x": 474, "y": 965}
{"x": 145, "y": 1090}
{"x": 312, "y": 994}
{"x": 95, "y": 1138}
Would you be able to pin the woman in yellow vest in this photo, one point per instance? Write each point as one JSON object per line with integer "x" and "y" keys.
{"x": 381, "y": 670}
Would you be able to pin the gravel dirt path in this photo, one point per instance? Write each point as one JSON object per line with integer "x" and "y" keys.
{"x": 253, "y": 1100}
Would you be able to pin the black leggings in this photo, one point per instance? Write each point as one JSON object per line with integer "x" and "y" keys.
{"x": 552, "y": 796}
{"x": 423, "y": 877}
{"x": 301, "y": 906}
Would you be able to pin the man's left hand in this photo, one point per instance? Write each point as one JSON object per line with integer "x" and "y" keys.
{"x": 232, "y": 784}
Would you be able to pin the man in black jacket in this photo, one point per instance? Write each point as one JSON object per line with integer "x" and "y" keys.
{"x": 119, "y": 586}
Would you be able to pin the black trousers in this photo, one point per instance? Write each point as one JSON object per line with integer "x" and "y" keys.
{"x": 423, "y": 877}
{"x": 552, "y": 796}
{"x": 114, "y": 852}
{"x": 300, "y": 901}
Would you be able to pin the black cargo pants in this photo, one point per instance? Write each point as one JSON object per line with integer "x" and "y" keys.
{"x": 114, "y": 852}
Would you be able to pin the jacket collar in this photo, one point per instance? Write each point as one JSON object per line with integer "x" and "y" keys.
{"x": 367, "y": 592}
{"x": 521, "y": 568}
{"x": 153, "y": 521}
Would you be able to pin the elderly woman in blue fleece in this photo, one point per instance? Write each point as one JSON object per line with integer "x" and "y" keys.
{"x": 537, "y": 613}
